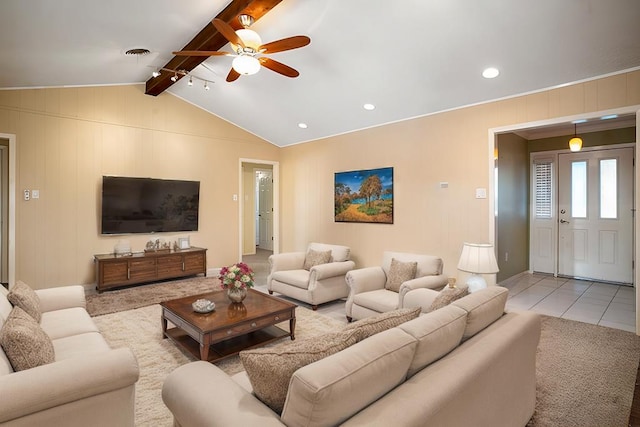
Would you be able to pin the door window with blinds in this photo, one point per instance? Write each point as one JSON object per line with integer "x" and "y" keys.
{"x": 543, "y": 189}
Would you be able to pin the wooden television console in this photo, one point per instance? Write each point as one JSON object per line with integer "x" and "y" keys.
{"x": 113, "y": 271}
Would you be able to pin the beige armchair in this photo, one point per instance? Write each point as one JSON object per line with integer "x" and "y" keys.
{"x": 371, "y": 292}
{"x": 318, "y": 283}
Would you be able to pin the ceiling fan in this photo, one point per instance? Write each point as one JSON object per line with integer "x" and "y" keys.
{"x": 247, "y": 45}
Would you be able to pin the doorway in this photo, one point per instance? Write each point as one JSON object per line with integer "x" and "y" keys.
{"x": 8, "y": 211}
{"x": 4, "y": 211}
{"x": 259, "y": 207}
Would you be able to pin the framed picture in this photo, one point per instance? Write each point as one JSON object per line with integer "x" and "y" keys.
{"x": 364, "y": 196}
{"x": 183, "y": 243}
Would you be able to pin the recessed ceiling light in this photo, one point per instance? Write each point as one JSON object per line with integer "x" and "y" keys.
{"x": 490, "y": 73}
{"x": 369, "y": 107}
{"x": 302, "y": 125}
{"x": 610, "y": 116}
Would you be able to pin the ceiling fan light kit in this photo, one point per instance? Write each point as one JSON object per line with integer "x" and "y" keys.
{"x": 246, "y": 65}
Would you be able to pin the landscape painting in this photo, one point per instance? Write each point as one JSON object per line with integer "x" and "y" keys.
{"x": 364, "y": 196}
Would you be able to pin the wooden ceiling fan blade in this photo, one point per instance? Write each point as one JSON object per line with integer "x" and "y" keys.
{"x": 201, "y": 53}
{"x": 228, "y": 32}
{"x": 233, "y": 75}
{"x": 285, "y": 44}
{"x": 278, "y": 67}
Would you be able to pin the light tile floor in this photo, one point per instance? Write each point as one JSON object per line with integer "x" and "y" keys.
{"x": 591, "y": 302}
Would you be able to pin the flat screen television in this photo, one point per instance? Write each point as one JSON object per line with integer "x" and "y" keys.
{"x": 148, "y": 205}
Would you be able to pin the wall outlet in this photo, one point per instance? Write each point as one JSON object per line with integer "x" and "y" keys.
{"x": 235, "y": 197}
{"x": 27, "y": 195}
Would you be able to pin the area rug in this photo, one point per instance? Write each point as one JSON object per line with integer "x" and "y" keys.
{"x": 140, "y": 330}
{"x": 153, "y": 293}
{"x": 585, "y": 375}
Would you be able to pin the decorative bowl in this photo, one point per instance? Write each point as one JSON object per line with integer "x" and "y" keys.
{"x": 203, "y": 306}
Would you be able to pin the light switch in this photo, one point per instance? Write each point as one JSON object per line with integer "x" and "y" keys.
{"x": 481, "y": 193}
{"x": 35, "y": 194}
{"x": 235, "y": 197}
{"x": 444, "y": 184}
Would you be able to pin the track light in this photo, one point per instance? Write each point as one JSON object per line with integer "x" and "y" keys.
{"x": 177, "y": 74}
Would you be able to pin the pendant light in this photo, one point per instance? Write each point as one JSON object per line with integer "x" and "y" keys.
{"x": 575, "y": 143}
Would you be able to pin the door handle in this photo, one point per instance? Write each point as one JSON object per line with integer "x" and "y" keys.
{"x": 564, "y": 221}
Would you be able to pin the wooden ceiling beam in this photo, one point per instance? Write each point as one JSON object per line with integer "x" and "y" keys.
{"x": 208, "y": 39}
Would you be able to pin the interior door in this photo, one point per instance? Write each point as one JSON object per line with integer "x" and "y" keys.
{"x": 265, "y": 209}
{"x": 595, "y": 213}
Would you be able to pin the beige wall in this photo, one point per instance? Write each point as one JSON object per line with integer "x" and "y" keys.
{"x": 451, "y": 146}
{"x": 66, "y": 139}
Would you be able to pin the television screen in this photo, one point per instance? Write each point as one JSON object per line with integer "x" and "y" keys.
{"x": 147, "y": 205}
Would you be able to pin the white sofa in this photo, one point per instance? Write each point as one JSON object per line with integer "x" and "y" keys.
{"x": 466, "y": 364}
{"x": 88, "y": 384}
{"x": 321, "y": 283}
{"x": 368, "y": 295}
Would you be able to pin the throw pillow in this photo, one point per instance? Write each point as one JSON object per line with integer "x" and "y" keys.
{"x": 270, "y": 369}
{"x": 21, "y": 295}
{"x": 381, "y": 322}
{"x": 448, "y": 295}
{"x": 24, "y": 342}
{"x": 314, "y": 258}
{"x": 400, "y": 272}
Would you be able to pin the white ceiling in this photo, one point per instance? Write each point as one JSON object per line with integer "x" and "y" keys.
{"x": 409, "y": 58}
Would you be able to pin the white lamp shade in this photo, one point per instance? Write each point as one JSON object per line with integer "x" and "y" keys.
{"x": 478, "y": 258}
{"x": 246, "y": 65}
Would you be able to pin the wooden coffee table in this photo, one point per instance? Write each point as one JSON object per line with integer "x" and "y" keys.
{"x": 230, "y": 328}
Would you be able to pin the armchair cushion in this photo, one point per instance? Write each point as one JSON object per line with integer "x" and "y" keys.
{"x": 313, "y": 258}
{"x": 297, "y": 278}
{"x": 338, "y": 253}
{"x": 380, "y": 300}
{"x": 427, "y": 264}
{"x": 23, "y": 296}
{"x": 381, "y": 322}
{"x": 24, "y": 342}
{"x": 400, "y": 272}
{"x": 270, "y": 369}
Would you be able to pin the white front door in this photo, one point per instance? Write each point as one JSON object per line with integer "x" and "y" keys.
{"x": 595, "y": 214}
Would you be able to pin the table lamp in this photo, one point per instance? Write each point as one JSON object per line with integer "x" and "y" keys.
{"x": 477, "y": 258}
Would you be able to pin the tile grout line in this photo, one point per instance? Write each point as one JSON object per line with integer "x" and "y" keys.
{"x": 581, "y": 295}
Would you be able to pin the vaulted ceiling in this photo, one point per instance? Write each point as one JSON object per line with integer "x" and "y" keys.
{"x": 408, "y": 58}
